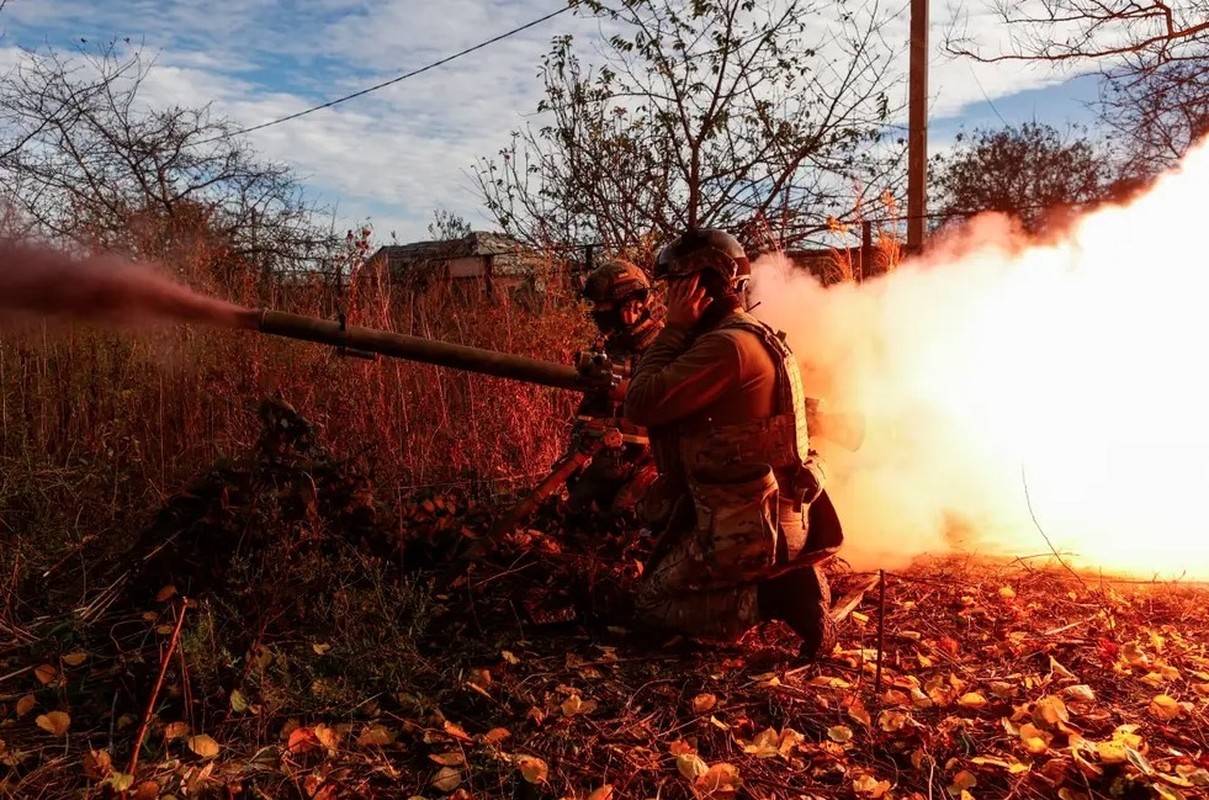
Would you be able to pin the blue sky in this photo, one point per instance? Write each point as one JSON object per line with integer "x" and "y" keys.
{"x": 396, "y": 155}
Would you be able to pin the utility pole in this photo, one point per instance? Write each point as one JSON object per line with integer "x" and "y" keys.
{"x": 917, "y": 136}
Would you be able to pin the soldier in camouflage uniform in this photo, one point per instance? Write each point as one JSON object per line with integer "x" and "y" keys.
{"x": 628, "y": 321}
{"x": 748, "y": 522}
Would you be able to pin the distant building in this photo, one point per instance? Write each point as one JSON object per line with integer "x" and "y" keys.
{"x": 480, "y": 260}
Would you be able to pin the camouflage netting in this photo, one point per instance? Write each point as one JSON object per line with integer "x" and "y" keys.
{"x": 288, "y": 502}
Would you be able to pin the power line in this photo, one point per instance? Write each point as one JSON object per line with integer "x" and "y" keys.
{"x": 384, "y": 84}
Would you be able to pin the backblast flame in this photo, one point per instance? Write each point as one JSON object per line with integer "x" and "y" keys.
{"x": 1024, "y": 397}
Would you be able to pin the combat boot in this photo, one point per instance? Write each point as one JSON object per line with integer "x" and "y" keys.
{"x": 802, "y": 600}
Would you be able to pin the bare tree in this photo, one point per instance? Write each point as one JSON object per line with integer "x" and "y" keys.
{"x": 704, "y": 112}
{"x": 1027, "y": 171}
{"x": 1153, "y": 58}
{"x": 84, "y": 161}
{"x": 1080, "y": 30}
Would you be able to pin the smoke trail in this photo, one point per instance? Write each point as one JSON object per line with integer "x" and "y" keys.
{"x": 1019, "y": 394}
{"x": 41, "y": 281}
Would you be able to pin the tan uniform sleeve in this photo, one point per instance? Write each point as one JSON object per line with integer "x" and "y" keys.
{"x": 672, "y": 382}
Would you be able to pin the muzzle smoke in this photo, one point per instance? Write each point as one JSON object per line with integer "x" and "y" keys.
{"x": 1023, "y": 396}
{"x": 36, "y": 280}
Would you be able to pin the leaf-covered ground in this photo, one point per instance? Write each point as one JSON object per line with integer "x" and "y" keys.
{"x": 281, "y": 632}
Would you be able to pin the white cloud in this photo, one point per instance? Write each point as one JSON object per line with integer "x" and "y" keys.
{"x": 405, "y": 150}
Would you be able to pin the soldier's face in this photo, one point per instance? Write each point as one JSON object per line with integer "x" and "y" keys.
{"x": 631, "y": 311}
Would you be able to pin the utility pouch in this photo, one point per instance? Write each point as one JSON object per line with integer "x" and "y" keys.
{"x": 736, "y": 525}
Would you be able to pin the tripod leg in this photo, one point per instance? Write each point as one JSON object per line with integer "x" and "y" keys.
{"x": 567, "y": 466}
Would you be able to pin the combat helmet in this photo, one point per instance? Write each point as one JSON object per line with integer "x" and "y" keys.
{"x": 702, "y": 250}
{"x": 614, "y": 282}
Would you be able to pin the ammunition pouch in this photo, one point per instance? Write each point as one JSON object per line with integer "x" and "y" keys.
{"x": 735, "y": 534}
{"x": 763, "y": 441}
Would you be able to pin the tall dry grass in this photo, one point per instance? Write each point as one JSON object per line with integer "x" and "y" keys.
{"x": 99, "y": 426}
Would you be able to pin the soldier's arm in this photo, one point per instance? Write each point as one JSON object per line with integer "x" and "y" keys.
{"x": 671, "y": 382}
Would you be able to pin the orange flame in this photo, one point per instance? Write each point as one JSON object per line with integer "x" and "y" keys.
{"x": 1023, "y": 398}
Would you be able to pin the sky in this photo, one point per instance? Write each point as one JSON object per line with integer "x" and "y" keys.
{"x": 394, "y": 156}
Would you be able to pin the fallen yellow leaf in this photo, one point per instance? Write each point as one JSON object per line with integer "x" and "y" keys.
{"x": 446, "y": 779}
{"x": 839, "y": 733}
{"x": 704, "y": 702}
{"x": 121, "y": 781}
{"x": 301, "y": 740}
{"x": 375, "y": 736}
{"x": 962, "y": 781}
{"x": 972, "y": 700}
{"x": 453, "y": 758}
{"x": 1164, "y": 707}
{"x": 97, "y": 764}
{"x": 533, "y": 769}
{"x": 56, "y": 722}
{"x": 869, "y": 786}
{"x": 75, "y": 658}
{"x": 327, "y": 736}
{"x": 720, "y": 781}
{"x": 858, "y": 713}
{"x": 830, "y": 682}
{"x": 496, "y": 735}
{"x": 691, "y": 765}
{"x": 25, "y": 705}
{"x": 891, "y": 720}
{"x": 680, "y": 747}
{"x": 176, "y": 730}
{"x": 1082, "y": 692}
{"x": 45, "y": 673}
{"x": 602, "y": 793}
{"x": 1050, "y": 712}
{"x": 165, "y": 593}
{"x": 764, "y": 744}
{"x": 456, "y": 731}
{"x": 203, "y": 745}
{"x": 1036, "y": 741}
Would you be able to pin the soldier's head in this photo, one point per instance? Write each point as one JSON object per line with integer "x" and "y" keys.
{"x": 619, "y": 292}
{"x": 713, "y": 255}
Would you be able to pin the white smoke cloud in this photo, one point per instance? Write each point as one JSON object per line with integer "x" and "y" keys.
{"x": 1021, "y": 395}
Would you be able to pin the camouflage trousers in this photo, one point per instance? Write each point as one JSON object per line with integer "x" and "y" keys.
{"x": 704, "y": 581}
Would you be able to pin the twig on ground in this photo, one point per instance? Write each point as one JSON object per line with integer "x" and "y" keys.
{"x": 881, "y": 631}
{"x": 155, "y": 691}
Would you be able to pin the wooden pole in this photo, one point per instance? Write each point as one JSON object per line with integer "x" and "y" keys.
{"x": 917, "y": 138}
{"x": 881, "y": 630}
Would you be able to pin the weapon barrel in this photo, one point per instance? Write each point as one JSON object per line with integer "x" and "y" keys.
{"x": 415, "y": 348}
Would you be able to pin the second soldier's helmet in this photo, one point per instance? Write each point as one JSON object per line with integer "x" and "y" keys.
{"x": 706, "y": 249}
{"x": 615, "y": 281}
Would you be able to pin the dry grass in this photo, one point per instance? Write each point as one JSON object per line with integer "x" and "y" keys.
{"x": 98, "y": 427}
